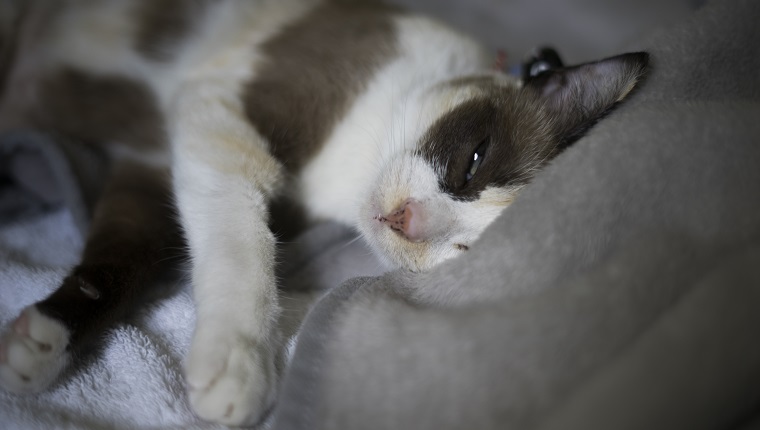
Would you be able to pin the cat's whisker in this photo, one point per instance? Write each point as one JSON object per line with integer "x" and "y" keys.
{"x": 351, "y": 242}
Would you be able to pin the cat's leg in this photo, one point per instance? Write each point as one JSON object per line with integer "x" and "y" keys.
{"x": 224, "y": 179}
{"x": 133, "y": 236}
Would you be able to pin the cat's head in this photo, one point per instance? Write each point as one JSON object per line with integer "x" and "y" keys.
{"x": 431, "y": 202}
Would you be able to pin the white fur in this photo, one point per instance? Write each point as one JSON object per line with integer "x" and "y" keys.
{"x": 224, "y": 178}
{"x": 102, "y": 43}
{"x": 398, "y": 105}
{"x": 33, "y": 352}
{"x": 451, "y": 223}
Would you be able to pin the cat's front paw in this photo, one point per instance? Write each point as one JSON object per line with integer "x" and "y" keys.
{"x": 32, "y": 352}
{"x": 231, "y": 378}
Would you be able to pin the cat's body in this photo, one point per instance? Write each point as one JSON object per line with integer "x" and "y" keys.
{"x": 388, "y": 122}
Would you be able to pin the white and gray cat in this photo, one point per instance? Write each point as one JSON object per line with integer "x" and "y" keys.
{"x": 358, "y": 112}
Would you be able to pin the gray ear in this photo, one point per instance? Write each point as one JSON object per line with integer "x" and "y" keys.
{"x": 578, "y": 96}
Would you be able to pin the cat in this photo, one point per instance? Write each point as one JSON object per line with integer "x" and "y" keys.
{"x": 210, "y": 111}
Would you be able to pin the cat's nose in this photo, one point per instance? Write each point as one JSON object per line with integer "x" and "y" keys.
{"x": 407, "y": 220}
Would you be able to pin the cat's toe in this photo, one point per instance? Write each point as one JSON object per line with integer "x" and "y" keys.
{"x": 32, "y": 352}
{"x": 232, "y": 382}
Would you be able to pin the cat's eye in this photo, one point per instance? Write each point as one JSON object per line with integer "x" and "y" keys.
{"x": 477, "y": 159}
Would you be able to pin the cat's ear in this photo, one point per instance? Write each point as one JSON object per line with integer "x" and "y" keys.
{"x": 578, "y": 96}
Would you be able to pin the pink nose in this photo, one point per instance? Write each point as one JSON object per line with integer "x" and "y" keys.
{"x": 406, "y": 220}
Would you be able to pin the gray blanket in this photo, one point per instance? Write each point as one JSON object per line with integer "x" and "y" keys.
{"x": 621, "y": 290}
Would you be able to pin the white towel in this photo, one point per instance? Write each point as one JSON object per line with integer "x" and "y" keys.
{"x": 137, "y": 381}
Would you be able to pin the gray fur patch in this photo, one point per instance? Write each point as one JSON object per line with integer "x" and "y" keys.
{"x": 315, "y": 68}
{"x": 99, "y": 109}
{"x": 163, "y": 24}
{"x": 506, "y": 123}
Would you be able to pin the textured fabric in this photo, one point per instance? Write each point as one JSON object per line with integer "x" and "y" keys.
{"x": 619, "y": 291}
{"x": 39, "y": 172}
{"x": 135, "y": 381}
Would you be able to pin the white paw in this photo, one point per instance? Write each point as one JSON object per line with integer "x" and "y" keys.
{"x": 231, "y": 378}
{"x": 32, "y": 352}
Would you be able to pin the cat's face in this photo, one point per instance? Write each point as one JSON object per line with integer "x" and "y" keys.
{"x": 431, "y": 202}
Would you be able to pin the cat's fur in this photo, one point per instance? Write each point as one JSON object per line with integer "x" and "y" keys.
{"x": 358, "y": 112}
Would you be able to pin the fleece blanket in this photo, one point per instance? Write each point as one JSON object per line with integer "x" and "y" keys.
{"x": 512, "y": 340}
{"x": 621, "y": 289}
